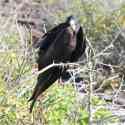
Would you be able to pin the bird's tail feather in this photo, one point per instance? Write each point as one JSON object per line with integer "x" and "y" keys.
{"x": 44, "y": 81}
{"x": 32, "y": 105}
{"x": 31, "y": 98}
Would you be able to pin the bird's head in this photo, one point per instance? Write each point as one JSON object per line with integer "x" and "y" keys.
{"x": 72, "y": 22}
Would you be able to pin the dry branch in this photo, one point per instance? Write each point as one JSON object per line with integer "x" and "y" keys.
{"x": 69, "y": 65}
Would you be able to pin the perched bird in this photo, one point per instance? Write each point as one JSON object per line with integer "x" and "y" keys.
{"x": 61, "y": 44}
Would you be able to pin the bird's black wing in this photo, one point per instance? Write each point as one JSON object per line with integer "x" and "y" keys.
{"x": 44, "y": 81}
{"x": 80, "y": 46}
{"x": 47, "y": 39}
{"x": 59, "y": 51}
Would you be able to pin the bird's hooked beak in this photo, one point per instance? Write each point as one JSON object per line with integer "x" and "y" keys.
{"x": 73, "y": 25}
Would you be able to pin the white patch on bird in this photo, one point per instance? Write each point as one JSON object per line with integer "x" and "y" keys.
{"x": 73, "y": 25}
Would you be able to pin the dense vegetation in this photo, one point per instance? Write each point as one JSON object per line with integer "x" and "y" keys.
{"x": 60, "y": 105}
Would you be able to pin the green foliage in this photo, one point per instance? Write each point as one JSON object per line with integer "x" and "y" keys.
{"x": 59, "y": 104}
{"x": 104, "y": 116}
{"x": 11, "y": 39}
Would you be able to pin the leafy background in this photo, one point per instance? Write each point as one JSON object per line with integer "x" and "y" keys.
{"x": 60, "y": 105}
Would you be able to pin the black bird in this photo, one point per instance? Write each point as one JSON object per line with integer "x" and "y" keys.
{"x": 61, "y": 44}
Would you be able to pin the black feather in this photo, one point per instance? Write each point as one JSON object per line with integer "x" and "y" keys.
{"x": 61, "y": 44}
{"x": 44, "y": 81}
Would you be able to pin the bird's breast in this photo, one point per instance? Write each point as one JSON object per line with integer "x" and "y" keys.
{"x": 72, "y": 43}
